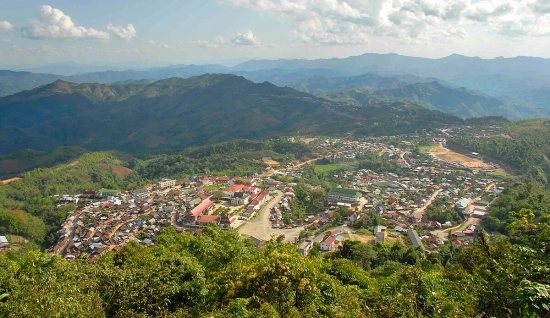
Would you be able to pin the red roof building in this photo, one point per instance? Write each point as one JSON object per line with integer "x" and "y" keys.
{"x": 200, "y": 209}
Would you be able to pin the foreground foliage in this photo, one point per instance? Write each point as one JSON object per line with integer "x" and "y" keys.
{"x": 218, "y": 274}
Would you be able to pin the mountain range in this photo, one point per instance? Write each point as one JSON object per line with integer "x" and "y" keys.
{"x": 175, "y": 113}
{"x": 512, "y": 87}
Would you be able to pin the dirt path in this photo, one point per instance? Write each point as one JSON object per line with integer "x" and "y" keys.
{"x": 429, "y": 202}
{"x": 260, "y": 226}
{"x": 10, "y": 180}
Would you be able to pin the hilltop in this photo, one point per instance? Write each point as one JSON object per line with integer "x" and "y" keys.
{"x": 183, "y": 112}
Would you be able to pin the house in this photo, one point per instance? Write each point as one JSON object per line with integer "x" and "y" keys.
{"x": 239, "y": 198}
{"x": 343, "y": 195}
{"x": 334, "y": 232}
{"x": 328, "y": 243}
{"x": 205, "y": 181}
{"x": 415, "y": 217}
{"x": 379, "y": 228}
{"x": 462, "y": 205}
{"x": 305, "y": 247}
{"x": 353, "y": 216}
{"x": 226, "y": 219}
{"x": 222, "y": 180}
{"x": 380, "y": 237}
{"x": 4, "y": 242}
{"x": 88, "y": 194}
{"x": 203, "y": 220}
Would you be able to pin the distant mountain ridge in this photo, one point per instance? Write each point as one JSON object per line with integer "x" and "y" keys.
{"x": 522, "y": 84}
{"x": 182, "y": 112}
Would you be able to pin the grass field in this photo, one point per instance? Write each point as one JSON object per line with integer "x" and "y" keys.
{"x": 426, "y": 149}
{"x": 327, "y": 168}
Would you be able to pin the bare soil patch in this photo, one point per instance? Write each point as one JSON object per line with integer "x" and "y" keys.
{"x": 10, "y": 180}
{"x": 120, "y": 171}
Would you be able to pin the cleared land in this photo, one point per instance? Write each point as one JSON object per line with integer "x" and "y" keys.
{"x": 120, "y": 171}
{"x": 10, "y": 180}
{"x": 450, "y": 156}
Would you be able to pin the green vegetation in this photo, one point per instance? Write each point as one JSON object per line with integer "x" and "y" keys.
{"x": 172, "y": 113}
{"x": 528, "y": 151}
{"x": 219, "y": 275}
{"x": 523, "y": 213}
{"x": 326, "y": 168}
{"x": 25, "y": 160}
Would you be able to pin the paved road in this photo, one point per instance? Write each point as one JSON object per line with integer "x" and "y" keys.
{"x": 423, "y": 208}
{"x": 260, "y": 226}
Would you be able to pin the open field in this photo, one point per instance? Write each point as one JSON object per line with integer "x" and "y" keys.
{"x": 326, "y": 168}
{"x": 450, "y": 156}
{"x": 369, "y": 239}
{"x": 425, "y": 149}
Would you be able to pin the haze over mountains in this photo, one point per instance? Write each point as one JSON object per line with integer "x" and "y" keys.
{"x": 512, "y": 87}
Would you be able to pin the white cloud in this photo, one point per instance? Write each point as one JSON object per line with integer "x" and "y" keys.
{"x": 217, "y": 42}
{"x": 5, "y": 26}
{"x": 246, "y": 38}
{"x": 121, "y": 32}
{"x": 408, "y": 21}
{"x": 56, "y": 25}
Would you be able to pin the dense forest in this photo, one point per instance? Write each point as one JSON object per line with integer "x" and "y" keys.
{"x": 218, "y": 274}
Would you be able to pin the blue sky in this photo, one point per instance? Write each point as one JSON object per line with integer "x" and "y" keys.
{"x": 185, "y": 31}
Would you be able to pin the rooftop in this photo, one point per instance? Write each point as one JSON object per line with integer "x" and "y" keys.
{"x": 346, "y": 192}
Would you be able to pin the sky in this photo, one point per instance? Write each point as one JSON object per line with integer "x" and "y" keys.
{"x": 201, "y": 31}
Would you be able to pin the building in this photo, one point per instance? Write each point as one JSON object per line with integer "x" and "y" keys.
{"x": 462, "y": 205}
{"x": 305, "y": 247}
{"x": 480, "y": 214}
{"x": 107, "y": 192}
{"x": 166, "y": 183}
{"x": 415, "y": 239}
{"x": 328, "y": 244}
{"x": 343, "y": 195}
{"x": 199, "y": 210}
{"x": 4, "y": 242}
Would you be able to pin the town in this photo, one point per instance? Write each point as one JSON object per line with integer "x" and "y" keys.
{"x": 422, "y": 196}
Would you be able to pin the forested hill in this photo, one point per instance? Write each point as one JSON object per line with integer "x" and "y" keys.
{"x": 184, "y": 112}
{"x": 527, "y": 147}
{"x": 459, "y": 102}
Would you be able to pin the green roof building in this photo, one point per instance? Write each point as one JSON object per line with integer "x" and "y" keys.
{"x": 107, "y": 192}
{"x": 343, "y": 195}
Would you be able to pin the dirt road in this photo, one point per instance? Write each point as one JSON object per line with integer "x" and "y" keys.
{"x": 260, "y": 226}
{"x": 430, "y": 200}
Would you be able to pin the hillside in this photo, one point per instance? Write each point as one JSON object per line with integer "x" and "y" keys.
{"x": 528, "y": 149}
{"x": 460, "y": 102}
{"x": 369, "y": 81}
